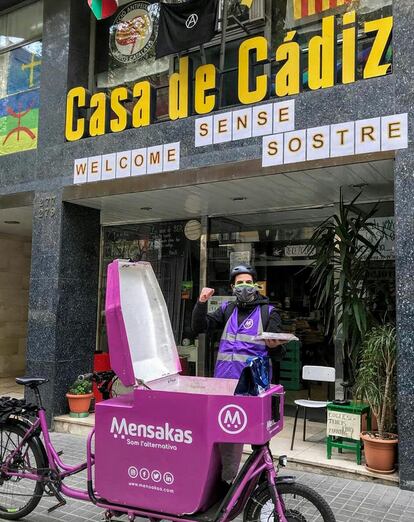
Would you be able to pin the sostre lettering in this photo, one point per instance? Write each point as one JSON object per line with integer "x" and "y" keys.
{"x": 341, "y": 139}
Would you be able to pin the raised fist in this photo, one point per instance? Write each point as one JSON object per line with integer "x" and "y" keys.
{"x": 205, "y": 294}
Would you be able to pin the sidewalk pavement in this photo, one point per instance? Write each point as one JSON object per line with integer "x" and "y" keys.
{"x": 351, "y": 500}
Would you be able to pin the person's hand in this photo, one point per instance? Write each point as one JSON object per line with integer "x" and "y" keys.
{"x": 205, "y": 294}
{"x": 274, "y": 343}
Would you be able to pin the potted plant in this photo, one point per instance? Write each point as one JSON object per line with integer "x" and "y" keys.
{"x": 376, "y": 383}
{"x": 79, "y": 398}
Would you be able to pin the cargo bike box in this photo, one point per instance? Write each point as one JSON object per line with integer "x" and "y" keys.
{"x": 157, "y": 447}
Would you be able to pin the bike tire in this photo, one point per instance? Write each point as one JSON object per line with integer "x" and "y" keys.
{"x": 10, "y": 506}
{"x": 255, "y": 507}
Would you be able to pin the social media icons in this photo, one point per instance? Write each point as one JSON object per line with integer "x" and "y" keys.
{"x": 144, "y": 474}
{"x": 154, "y": 475}
{"x": 133, "y": 472}
{"x": 168, "y": 478}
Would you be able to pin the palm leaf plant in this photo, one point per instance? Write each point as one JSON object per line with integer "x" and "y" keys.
{"x": 343, "y": 246}
{"x": 376, "y": 375}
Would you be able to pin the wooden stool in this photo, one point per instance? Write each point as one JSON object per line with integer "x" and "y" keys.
{"x": 351, "y": 442}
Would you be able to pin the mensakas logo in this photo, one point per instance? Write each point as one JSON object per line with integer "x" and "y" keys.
{"x": 148, "y": 431}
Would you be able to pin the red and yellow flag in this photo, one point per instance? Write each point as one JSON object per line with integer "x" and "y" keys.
{"x": 103, "y": 8}
{"x": 303, "y": 8}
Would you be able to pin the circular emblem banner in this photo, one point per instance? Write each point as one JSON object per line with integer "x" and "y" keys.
{"x": 133, "y": 33}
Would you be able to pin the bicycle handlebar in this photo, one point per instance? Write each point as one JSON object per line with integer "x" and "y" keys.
{"x": 103, "y": 381}
{"x": 85, "y": 377}
{"x": 97, "y": 376}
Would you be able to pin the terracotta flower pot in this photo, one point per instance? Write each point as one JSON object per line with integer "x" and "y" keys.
{"x": 380, "y": 454}
{"x": 374, "y": 423}
{"x": 79, "y": 404}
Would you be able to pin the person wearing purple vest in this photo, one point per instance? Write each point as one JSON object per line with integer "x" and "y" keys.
{"x": 237, "y": 343}
{"x": 239, "y": 328}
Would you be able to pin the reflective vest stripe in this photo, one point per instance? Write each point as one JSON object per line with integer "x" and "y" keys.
{"x": 244, "y": 338}
{"x": 233, "y": 357}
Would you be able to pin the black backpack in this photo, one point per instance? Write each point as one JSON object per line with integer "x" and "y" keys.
{"x": 264, "y": 312}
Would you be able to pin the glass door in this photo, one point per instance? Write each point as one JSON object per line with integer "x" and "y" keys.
{"x": 173, "y": 249}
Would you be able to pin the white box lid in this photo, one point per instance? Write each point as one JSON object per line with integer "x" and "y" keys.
{"x": 140, "y": 338}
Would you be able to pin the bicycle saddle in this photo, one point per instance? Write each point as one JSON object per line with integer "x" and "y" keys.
{"x": 32, "y": 382}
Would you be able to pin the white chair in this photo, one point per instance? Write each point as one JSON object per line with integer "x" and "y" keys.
{"x": 312, "y": 373}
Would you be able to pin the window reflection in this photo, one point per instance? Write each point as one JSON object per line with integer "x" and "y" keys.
{"x": 20, "y": 67}
{"x": 125, "y": 49}
{"x": 21, "y": 25}
{"x": 174, "y": 258}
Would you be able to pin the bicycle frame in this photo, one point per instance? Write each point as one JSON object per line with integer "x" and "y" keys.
{"x": 54, "y": 462}
{"x": 260, "y": 462}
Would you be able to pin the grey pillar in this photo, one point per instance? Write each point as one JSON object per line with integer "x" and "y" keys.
{"x": 63, "y": 295}
{"x": 65, "y": 64}
{"x": 404, "y": 212}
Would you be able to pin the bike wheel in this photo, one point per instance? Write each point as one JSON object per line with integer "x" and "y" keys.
{"x": 301, "y": 504}
{"x": 19, "y": 497}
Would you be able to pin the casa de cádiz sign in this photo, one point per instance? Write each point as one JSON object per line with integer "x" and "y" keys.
{"x": 321, "y": 65}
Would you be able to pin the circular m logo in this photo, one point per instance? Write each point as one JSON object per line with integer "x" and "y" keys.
{"x": 248, "y": 324}
{"x": 232, "y": 419}
{"x": 191, "y": 21}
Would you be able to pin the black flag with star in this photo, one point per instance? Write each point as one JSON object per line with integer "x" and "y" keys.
{"x": 185, "y": 25}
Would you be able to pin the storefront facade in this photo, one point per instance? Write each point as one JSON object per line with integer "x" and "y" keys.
{"x": 216, "y": 197}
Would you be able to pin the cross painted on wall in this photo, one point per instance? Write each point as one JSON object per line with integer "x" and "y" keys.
{"x": 31, "y": 66}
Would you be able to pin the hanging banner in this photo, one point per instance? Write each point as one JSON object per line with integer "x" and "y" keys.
{"x": 133, "y": 33}
{"x": 132, "y": 38}
{"x": 304, "y": 8}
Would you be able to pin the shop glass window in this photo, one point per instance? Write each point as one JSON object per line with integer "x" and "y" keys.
{"x": 174, "y": 253}
{"x": 281, "y": 253}
{"x": 304, "y": 17}
{"x": 20, "y": 65}
{"x": 125, "y": 51}
{"x": 21, "y": 25}
{"x": 227, "y": 94}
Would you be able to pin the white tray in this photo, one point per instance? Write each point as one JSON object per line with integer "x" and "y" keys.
{"x": 276, "y": 336}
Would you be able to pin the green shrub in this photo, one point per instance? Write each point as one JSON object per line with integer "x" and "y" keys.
{"x": 80, "y": 387}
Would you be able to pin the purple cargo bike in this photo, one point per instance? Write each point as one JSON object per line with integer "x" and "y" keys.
{"x": 154, "y": 452}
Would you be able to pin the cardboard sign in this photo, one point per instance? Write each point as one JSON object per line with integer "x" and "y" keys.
{"x": 343, "y": 424}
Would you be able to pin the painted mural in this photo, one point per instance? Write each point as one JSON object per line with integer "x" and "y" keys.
{"x": 19, "y": 98}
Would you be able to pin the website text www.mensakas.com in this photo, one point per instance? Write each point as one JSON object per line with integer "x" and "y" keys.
{"x": 149, "y": 486}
